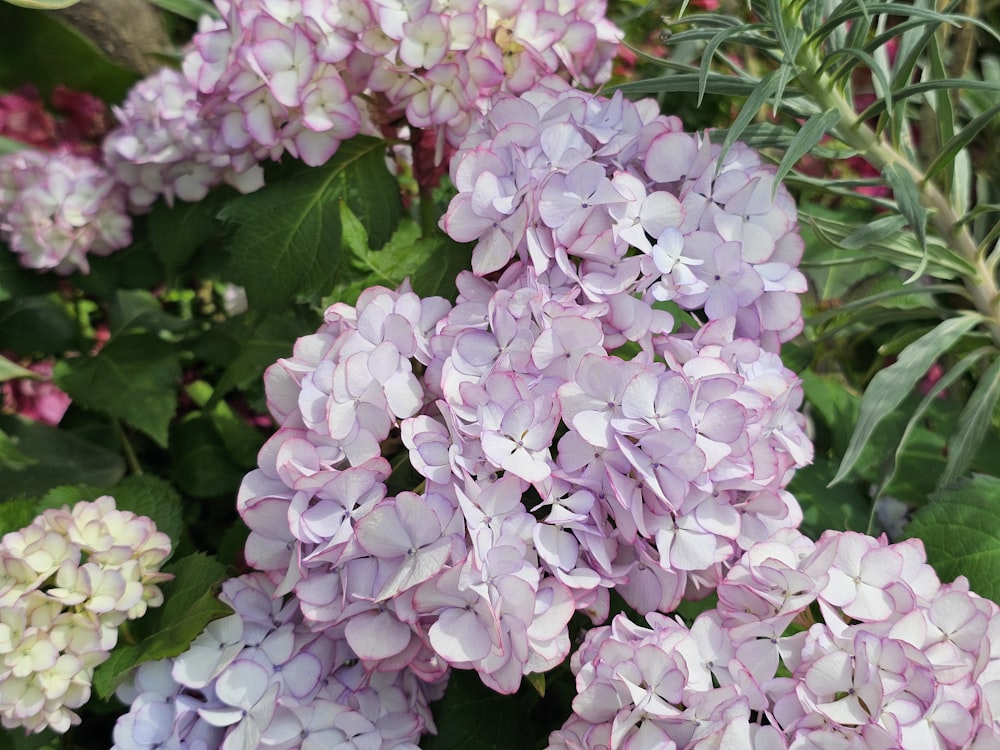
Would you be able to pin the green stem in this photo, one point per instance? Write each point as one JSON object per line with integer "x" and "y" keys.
{"x": 130, "y": 458}
{"x": 982, "y": 285}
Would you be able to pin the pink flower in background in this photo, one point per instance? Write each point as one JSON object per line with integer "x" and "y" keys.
{"x": 40, "y": 400}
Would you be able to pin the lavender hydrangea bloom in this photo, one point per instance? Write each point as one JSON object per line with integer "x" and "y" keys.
{"x": 57, "y": 208}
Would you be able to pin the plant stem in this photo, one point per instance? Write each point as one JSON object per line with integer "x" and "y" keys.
{"x": 982, "y": 285}
{"x": 130, "y": 458}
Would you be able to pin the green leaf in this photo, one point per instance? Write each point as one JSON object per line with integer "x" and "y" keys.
{"x": 844, "y": 508}
{"x": 190, "y": 9}
{"x": 16, "y": 739}
{"x": 961, "y": 139}
{"x": 134, "y": 377}
{"x": 178, "y": 231}
{"x": 33, "y": 325}
{"x": 12, "y": 457}
{"x": 960, "y": 529}
{"x": 200, "y": 463}
{"x": 134, "y": 310}
{"x": 43, "y": 50}
{"x": 143, "y": 494}
{"x": 241, "y": 440}
{"x": 472, "y": 715}
{"x": 190, "y": 603}
{"x": 246, "y": 345}
{"x": 972, "y": 425}
{"x": 17, "y": 513}
{"x": 907, "y": 196}
{"x": 768, "y": 87}
{"x": 43, "y": 4}
{"x": 929, "y": 399}
{"x": 11, "y": 370}
{"x": 805, "y": 140}
{"x": 891, "y": 385}
{"x": 57, "y": 457}
{"x": 287, "y": 238}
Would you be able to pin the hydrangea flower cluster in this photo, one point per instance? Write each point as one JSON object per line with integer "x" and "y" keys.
{"x": 164, "y": 147}
{"x": 553, "y": 470}
{"x": 260, "y": 678}
{"x": 850, "y": 642}
{"x": 282, "y": 75}
{"x": 67, "y": 582}
{"x": 57, "y": 208}
{"x": 625, "y": 204}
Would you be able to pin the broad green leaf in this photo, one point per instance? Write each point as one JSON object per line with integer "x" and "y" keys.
{"x": 287, "y": 238}
{"x": 835, "y": 403}
{"x": 177, "y": 232}
{"x": 805, "y": 140}
{"x": 43, "y": 50}
{"x": 134, "y": 377}
{"x": 239, "y": 437}
{"x": 891, "y": 385}
{"x": 134, "y": 310}
{"x": 246, "y": 345}
{"x": 17, "y": 281}
{"x": 472, "y": 715}
{"x": 18, "y": 739}
{"x": 960, "y": 529}
{"x": 845, "y": 508}
{"x": 200, "y": 463}
{"x": 11, "y": 370}
{"x": 12, "y": 457}
{"x": 17, "y": 513}
{"x": 57, "y": 457}
{"x": 143, "y": 494}
{"x": 36, "y": 325}
{"x": 190, "y": 603}
{"x": 972, "y": 425}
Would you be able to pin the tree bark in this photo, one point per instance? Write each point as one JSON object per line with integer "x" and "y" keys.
{"x": 130, "y": 32}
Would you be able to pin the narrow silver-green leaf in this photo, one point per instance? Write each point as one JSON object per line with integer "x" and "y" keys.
{"x": 907, "y": 196}
{"x": 190, "y": 9}
{"x": 757, "y": 99}
{"x": 890, "y": 386}
{"x": 972, "y": 425}
{"x": 805, "y": 140}
{"x": 961, "y": 140}
{"x": 708, "y": 54}
{"x": 945, "y": 381}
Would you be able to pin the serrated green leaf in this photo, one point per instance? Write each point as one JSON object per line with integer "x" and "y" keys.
{"x": 246, "y": 345}
{"x": 178, "y": 231}
{"x": 31, "y": 325}
{"x": 845, "y": 508}
{"x": 972, "y": 424}
{"x": 241, "y": 440}
{"x": 960, "y": 529}
{"x": 190, "y": 603}
{"x": 472, "y": 715}
{"x": 809, "y": 135}
{"x": 287, "y": 238}
{"x": 57, "y": 457}
{"x": 134, "y": 377}
{"x": 17, "y": 513}
{"x": 143, "y": 494}
{"x": 891, "y": 385}
{"x": 200, "y": 463}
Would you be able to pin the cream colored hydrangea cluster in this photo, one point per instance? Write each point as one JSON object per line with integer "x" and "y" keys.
{"x": 67, "y": 582}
